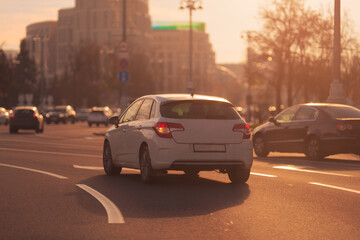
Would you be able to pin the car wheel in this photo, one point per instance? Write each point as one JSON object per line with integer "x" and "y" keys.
{"x": 313, "y": 149}
{"x": 73, "y": 120}
{"x": 260, "y": 147}
{"x": 109, "y": 167}
{"x": 89, "y": 124}
{"x": 145, "y": 165}
{"x": 238, "y": 175}
{"x": 11, "y": 130}
{"x": 192, "y": 173}
{"x": 38, "y": 130}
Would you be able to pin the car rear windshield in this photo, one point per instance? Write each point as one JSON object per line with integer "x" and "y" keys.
{"x": 198, "y": 109}
{"x": 24, "y": 112}
{"x": 342, "y": 112}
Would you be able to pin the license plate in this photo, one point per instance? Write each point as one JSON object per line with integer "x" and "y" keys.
{"x": 209, "y": 148}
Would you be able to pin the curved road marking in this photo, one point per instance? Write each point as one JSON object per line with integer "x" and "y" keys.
{"x": 310, "y": 171}
{"x": 114, "y": 214}
{"x": 56, "y": 153}
{"x": 263, "y": 175}
{"x": 34, "y": 170}
{"x": 335, "y": 187}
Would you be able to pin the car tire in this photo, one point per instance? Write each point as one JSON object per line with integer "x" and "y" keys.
{"x": 238, "y": 175}
{"x": 313, "y": 149}
{"x": 109, "y": 167}
{"x": 145, "y": 165}
{"x": 13, "y": 130}
{"x": 38, "y": 130}
{"x": 89, "y": 124}
{"x": 260, "y": 148}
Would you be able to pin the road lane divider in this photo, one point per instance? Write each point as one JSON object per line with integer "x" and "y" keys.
{"x": 309, "y": 171}
{"x": 113, "y": 212}
{"x": 263, "y": 175}
{"x": 45, "y": 152}
{"x": 34, "y": 170}
{"x": 101, "y": 168}
{"x": 335, "y": 187}
{"x": 74, "y": 146}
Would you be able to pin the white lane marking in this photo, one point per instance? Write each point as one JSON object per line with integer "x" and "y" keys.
{"x": 101, "y": 168}
{"x": 335, "y": 187}
{"x": 310, "y": 171}
{"x": 57, "y": 144}
{"x": 114, "y": 214}
{"x": 263, "y": 175}
{"x": 45, "y": 152}
{"x": 34, "y": 170}
{"x": 88, "y": 167}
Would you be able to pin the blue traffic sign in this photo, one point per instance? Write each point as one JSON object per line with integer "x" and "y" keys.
{"x": 123, "y": 76}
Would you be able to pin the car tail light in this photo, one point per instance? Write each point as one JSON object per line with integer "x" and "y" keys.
{"x": 344, "y": 126}
{"x": 13, "y": 116}
{"x": 244, "y": 128}
{"x": 165, "y": 129}
{"x": 34, "y": 116}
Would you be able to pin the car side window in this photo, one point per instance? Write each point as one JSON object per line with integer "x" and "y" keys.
{"x": 144, "y": 111}
{"x": 306, "y": 114}
{"x": 132, "y": 111}
{"x": 153, "y": 108}
{"x": 287, "y": 115}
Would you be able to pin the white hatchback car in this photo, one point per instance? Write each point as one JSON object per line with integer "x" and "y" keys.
{"x": 179, "y": 132}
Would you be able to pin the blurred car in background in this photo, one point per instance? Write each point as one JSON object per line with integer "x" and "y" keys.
{"x": 26, "y": 118}
{"x": 116, "y": 111}
{"x": 62, "y": 114}
{"x": 4, "y": 116}
{"x": 99, "y": 115}
{"x": 82, "y": 114}
{"x": 316, "y": 129}
{"x": 45, "y": 112}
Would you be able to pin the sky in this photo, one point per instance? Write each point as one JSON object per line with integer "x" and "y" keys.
{"x": 226, "y": 20}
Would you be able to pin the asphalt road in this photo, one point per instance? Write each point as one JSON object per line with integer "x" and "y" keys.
{"x": 52, "y": 186}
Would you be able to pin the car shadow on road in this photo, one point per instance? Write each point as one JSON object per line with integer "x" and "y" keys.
{"x": 340, "y": 165}
{"x": 168, "y": 196}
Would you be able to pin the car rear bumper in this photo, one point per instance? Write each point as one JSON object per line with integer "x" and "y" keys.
{"x": 341, "y": 145}
{"x": 24, "y": 125}
{"x": 182, "y": 156}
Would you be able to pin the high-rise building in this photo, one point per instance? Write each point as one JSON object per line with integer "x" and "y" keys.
{"x": 101, "y": 22}
{"x": 41, "y": 44}
{"x": 171, "y": 57}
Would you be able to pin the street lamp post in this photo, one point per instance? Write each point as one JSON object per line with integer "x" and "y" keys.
{"x": 336, "y": 90}
{"x": 191, "y": 5}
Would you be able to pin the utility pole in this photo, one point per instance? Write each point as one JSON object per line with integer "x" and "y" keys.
{"x": 336, "y": 90}
{"x": 124, "y": 80}
{"x": 191, "y": 5}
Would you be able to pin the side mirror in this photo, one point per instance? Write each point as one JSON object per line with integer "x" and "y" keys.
{"x": 273, "y": 120}
{"x": 114, "y": 120}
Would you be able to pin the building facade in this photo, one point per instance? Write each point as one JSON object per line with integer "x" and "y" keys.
{"x": 101, "y": 22}
{"x": 41, "y": 43}
{"x": 171, "y": 58}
